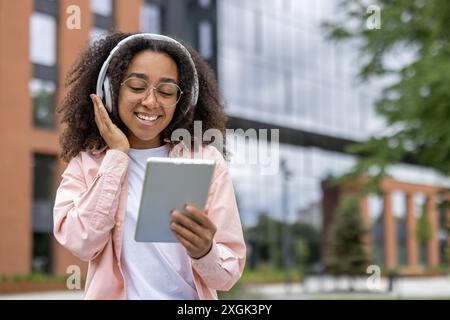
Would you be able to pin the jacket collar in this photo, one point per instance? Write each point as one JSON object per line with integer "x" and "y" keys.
{"x": 178, "y": 150}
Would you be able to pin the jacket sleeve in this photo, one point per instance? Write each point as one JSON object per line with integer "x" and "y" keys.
{"x": 84, "y": 214}
{"x": 222, "y": 267}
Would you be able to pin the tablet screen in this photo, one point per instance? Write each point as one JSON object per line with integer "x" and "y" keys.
{"x": 170, "y": 183}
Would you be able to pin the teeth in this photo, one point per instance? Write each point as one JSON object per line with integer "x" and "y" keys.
{"x": 146, "y": 118}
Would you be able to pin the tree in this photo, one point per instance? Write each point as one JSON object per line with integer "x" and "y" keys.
{"x": 416, "y": 104}
{"x": 347, "y": 254}
{"x": 266, "y": 234}
{"x": 423, "y": 233}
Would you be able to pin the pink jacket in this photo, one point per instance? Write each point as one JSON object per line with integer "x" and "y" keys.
{"x": 89, "y": 211}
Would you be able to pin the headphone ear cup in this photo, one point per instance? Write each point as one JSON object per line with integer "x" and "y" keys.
{"x": 108, "y": 94}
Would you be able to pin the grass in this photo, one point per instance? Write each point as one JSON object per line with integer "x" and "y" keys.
{"x": 238, "y": 292}
{"x": 265, "y": 274}
{"x": 32, "y": 277}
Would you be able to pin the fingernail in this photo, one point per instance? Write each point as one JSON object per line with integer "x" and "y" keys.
{"x": 92, "y": 96}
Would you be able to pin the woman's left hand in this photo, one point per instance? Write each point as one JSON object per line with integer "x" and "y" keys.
{"x": 194, "y": 230}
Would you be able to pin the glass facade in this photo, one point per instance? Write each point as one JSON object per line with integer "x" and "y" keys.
{"x": 259, "y": 193}
{"x": 276, "y": 67}
{"x": 204, "y": 3}
{"x": 205, "y": 45}
{"x": 290, "y": 74}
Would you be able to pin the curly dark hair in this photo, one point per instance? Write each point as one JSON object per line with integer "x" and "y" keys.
{"x": 82, "y": 134}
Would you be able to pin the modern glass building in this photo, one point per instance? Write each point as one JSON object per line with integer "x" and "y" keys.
{"x": 277, "y": 70}
{"x": 40, "y": 42}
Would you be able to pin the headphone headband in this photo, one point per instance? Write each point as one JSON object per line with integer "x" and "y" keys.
{"x": 103, "y": 89}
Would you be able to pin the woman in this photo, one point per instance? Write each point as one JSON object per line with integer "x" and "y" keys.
{"x": 151, "y": 85}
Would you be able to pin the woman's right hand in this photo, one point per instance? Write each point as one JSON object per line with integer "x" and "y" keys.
{"x": 113, "y": 136}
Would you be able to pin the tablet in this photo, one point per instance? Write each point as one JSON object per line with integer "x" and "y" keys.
{"x": 170, "y": 183}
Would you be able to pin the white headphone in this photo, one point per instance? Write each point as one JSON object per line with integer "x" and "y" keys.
{"x": 104, "y": 89}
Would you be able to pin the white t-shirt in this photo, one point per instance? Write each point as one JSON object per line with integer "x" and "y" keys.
{"x": 151, "y": 270}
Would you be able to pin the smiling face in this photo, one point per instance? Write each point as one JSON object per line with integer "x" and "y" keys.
{"x": 147, "y": 118}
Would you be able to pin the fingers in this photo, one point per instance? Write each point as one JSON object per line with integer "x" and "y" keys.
{"x": 197, "y": 238}
{"x": 96, "y": 113}
{"x": 101, "y": 115}
{"x": 187, "y": 222}
{"x": 195, "y": 246}
{"x": 113, "y": 136}
{"x": 200, "y": 217}
{"x": 194, "y": 240}
{"x": 190, "y": 247}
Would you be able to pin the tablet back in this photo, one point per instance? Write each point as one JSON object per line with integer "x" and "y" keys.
{"x": 170, "y": 183}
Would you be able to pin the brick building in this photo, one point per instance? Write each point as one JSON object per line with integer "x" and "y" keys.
{"x": 37, "y": 48}
{"x": 438, "y": 217}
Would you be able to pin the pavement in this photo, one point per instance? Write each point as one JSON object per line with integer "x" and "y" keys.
{"x": 51, "y": 295}
{"x": 317, "y": 288}
{"x": 312, "y": 288}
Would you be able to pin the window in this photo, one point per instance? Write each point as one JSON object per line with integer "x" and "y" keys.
{"x": 205, "y": 43}
{"x": 204, "y": 3}
{"x": 43, "y": 177}
{"x": 43, "y": 39}
{"x": 42, "y": 253}
{"x": 257, "y": 31}
{"x": 43, "y": 95}
{"x": 245, "y": 34}
{"x": 103, "y": 18}
{"x": 288, "y": 83}
{"x": 97, "y": 33}
{"x": 231, "y": 86}
{"x": 301, "y": 98}
{"x": 267, "y": 94}
{"x": 269, "y": 36}
{"x": 102, "y": 7}
{"x": 151, "y": 18}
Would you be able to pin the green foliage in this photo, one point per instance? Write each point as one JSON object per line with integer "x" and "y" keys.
{"x": 267, "y": 274}
{"x": 267, "y": 234}
{"x": 446, "y": 257}
{"x": 423, "y": 228}
{"x": 301, "y": 251}
{"x": 32, "y": 277}
{"x": 347, "y": 255}
{"x": 416, "y": 103}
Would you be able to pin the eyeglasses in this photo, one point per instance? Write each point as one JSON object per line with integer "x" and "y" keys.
{"x": 136, "y": 90}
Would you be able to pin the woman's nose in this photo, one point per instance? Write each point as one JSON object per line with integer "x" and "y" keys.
{"x": 150, "y": 99}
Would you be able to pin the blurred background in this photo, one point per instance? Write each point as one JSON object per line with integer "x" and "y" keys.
{"x": 290, "y": 65}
